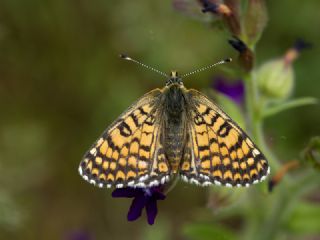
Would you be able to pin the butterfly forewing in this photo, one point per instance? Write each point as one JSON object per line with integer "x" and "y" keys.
{"x": 217, "y": 150}
{"x": 129, "y": 152}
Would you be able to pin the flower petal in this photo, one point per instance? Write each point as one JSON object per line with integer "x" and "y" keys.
{"x": 152, "y": 210}
{"x": 158, "y": 195}
{"x": 234, "y": 90}
{"x": 136, "y": 207}
{"x": 126, "y": 192}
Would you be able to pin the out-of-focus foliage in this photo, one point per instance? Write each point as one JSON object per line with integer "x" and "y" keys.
{"x": 62, "y": 83}
{"x": 311, "y": 153}
{"x": 207, "y": 231}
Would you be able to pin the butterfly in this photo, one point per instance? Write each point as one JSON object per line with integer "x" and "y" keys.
{"x": 173, "y": 132}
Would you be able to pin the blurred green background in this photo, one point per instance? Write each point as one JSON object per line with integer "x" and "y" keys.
{"x": 62, "y": 83}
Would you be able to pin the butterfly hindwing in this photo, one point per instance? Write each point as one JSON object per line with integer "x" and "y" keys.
{"x": 217, "y": 150}
{"x": 129, "y": 152}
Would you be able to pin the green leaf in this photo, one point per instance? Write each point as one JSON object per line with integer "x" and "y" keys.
{"x": 207, "y": 232}
{"x": 305, "y": 219}
{"x": 289, "y": 104}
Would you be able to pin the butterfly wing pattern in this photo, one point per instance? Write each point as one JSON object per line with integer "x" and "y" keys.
{"x": 129, "y": 152}
{"x": 173, "y": 131}
{"x": 218, "y": 151}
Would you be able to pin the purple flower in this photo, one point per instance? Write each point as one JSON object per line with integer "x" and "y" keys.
{"x": 234, "y": 90}
{"x": 143, "y": 198}
{"x": 209, "y": 6}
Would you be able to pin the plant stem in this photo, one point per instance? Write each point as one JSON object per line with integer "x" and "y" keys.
{"x": 254, "y": 110}
{"x": 255, "y": 106}
{"x": 251, "y": 100}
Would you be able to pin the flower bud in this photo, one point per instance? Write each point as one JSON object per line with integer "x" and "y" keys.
{"x": 254, "y": 21}
{"x": 233, "y": 19}
{"x": 227, "y": 10}
{"x": 246, "y": 55}
{"x": 276, "y": 79}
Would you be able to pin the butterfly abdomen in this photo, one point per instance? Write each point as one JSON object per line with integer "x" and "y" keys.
{"x": 174, "y": 135}
{"x": 173, "y": 143}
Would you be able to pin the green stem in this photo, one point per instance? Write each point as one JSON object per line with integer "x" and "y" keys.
{"x": 255, "y": 105}
{"x": 254, "y": 109}
{"x": 251, "y": 100}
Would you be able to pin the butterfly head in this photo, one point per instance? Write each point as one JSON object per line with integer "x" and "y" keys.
{"x": 174, "y": 79}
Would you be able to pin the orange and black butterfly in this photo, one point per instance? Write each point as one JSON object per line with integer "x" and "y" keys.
{"x": 173, "y": 132}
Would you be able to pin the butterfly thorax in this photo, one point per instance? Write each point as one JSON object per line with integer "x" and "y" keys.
{"x": 174, "y": 121}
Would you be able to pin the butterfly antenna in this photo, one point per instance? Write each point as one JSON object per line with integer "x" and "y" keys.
{"x": 125, "y": 57}
{"x": 207, "y": 67}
